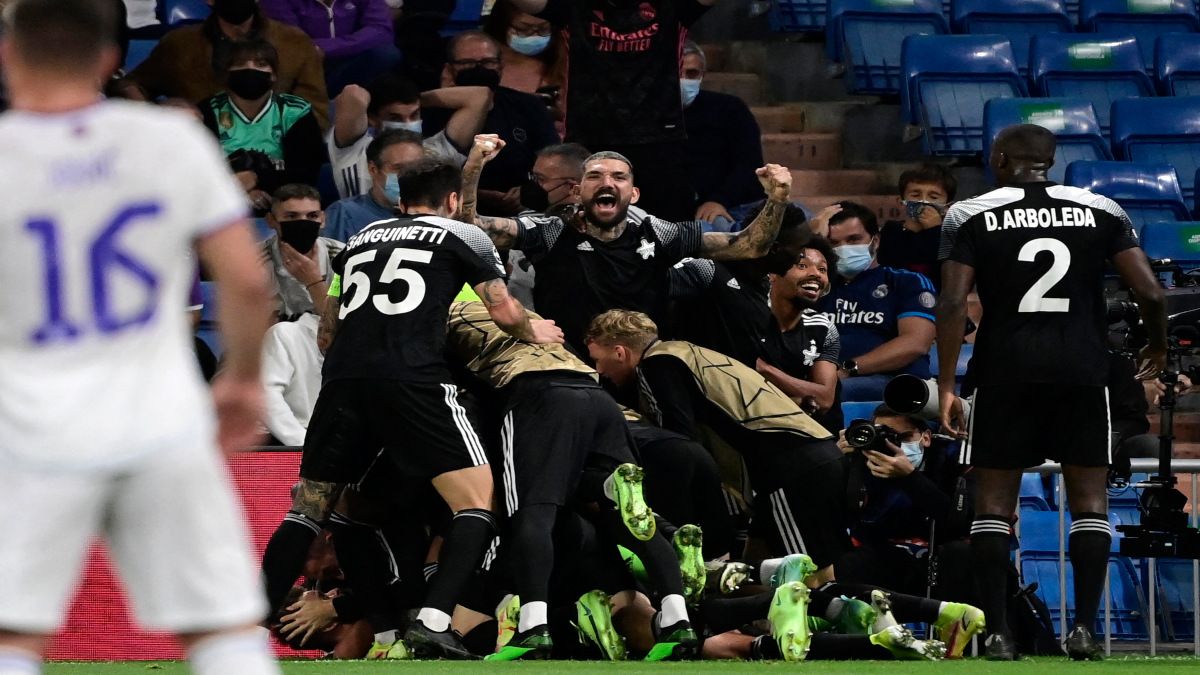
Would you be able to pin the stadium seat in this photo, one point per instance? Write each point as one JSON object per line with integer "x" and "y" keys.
{"x": 1161, "y": 130}
{"x": 866, "y": 35}
{"x": 467, "y": 15}
{"x": 859, "y": 410}
{"x": 138, "y": 51}
{"x": 1096, "y": 69}
{"x": 1143, "y": 19}
{"x": 1179, "y": 241}
{"x": 207, "y": 330}
{"x": 964, "y": 357}
{"x": 1018, "y": 20}
{"x": 1177, "y": 64}
{"x": 1175, "y": 592}
{"x": 1033, "y": 493}
{"x": 1072, "y": 120}
{"x": 326, "y": 185}
{"x": 797, "y": 16}
{"x": 1147, "y": 192}
{"x": 949, "y": 79}
{"x": 177, "y": 12}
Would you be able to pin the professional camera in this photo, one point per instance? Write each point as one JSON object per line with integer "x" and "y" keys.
{"x": 910, "y": 395}
{"x": 865, "y": 435}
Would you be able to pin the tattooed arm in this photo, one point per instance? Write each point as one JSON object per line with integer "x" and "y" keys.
{"x": 512, "y": 318}
{"x": 502, "y": 231}
{"x": 754, "y": 241}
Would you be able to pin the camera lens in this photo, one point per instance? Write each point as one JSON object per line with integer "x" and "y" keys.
{"x": 861, "y": 434}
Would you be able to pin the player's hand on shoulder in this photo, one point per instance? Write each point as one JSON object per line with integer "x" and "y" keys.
{"x": 241, "y": 405}
{"x": 485, "y": 147}
{"x": 776, "y": 181}
{"x": 546, "y": 332}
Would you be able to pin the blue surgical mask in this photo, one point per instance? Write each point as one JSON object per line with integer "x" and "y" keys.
{"x": 392, "y": 189}
{"x": 414, "y": 126}
{"x": 853, "y": 259}
{"x": 689, "y": 89}
{"x": 529, "y": 45}
{"x": 914, "y": 451}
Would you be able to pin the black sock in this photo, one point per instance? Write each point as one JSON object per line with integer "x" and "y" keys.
{"x": 481, "y": 639}
{"x": 533, "y": 551}
{"x": 657, "y": 555}
{"x": 725, "y": 614}
{"x": 370, "y": 569}
{"x": 818, "y": 601}
{"x": 286, "y": 552}
{"x": 990, "y": 537}
{"x": 470, "y": 533}
{"x": 835, "y": 647}
{"x": 906, "y": 608}
{"x": 1088, "y": 544}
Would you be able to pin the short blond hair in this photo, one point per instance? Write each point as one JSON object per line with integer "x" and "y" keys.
{"x": 622, "y": 327}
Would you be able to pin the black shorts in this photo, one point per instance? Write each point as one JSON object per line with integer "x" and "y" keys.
{"x": 420, "y": 427}
{"x": 554, "y": 427}
{"x": 800, "y": 507}
{"x": 1022, "y": 425}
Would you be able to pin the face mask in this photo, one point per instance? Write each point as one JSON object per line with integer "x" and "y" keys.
{"x": 392, "y": 189}
{"x": 249, "y": 83}
{"x": 415, "y": 126}
{"x": 853, "y": 259}
{"x": 688, "y": 89}
{"x": 299, "y": 234}
{"x": 914, "y": 452}
{"x": 235, "y": 11}
{"x": 478, "y": 76}
{"x": 915, "y": 207}
{"x": 534, "y": 197}
{"x": 529, "y": 45}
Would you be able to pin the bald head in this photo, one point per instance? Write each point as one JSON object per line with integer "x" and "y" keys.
{"x": 1022, "y": 152}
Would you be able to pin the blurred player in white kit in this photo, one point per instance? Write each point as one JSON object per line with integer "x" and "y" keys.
{"x": 106, "y": 427}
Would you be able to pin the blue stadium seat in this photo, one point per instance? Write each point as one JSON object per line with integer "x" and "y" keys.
{"x": 467, "y": 15}
{"x": 138, "y": 51}
{"x": 262, "y": 230}
{"x": 176, "y": 12}
{"x": 1175, "y": 592}
{"x": 207, "y": 330}
{"x": 859, "y": 410}
{"x": 949, "y": 78}
{"x": 1096, "y": 69}
{"x": 797, "y": 16}
{"x": 1177, "y": 64}
{"x": 965, "y": 351}
{"x": 1144, "y": 19}
{"x": 1033, "y": 493}
{"x": 326, "y": 185}
{"x": 1160, "y": 130}
{"x": 1147, "y": 192}
{"x": 866, "y": 35}
{"x": 1018, "y": 20}
{"x": 1179, "y": 241}
{"x": 1072, "y": 120}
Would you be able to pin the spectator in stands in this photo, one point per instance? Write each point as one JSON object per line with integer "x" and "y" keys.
{"x": 190, "y": 61}
{"x": 291, "y": 374}
{"x": 258, "y": 177}
{"x": 530, "y": 53}
{"x": 250, "y": 116}
{"x": 353, "y": 36}
{"x": 724, "y": 147}
{"x": 521, "y": 120}
{"x": 387, "y": 156}
{"x": 394, "y": 102}
{"x": 299, "y": 258}
{"x": 556, "y": 174}
{"x": 906, "y": 489}
{"x": 912, "y": 244}
{"x": 623, "y": 71}
{"x": 884, "y": 315}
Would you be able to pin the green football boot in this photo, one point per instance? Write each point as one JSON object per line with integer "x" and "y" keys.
{"x": 788, "y": 617}
{"x": 627, "y": 492}
{"x": 593, "y": 616}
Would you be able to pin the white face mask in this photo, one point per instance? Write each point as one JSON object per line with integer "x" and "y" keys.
{"x": 689, "y": 90}
{"x": 853, "y": 259}
{"x": 414, "y": 126}
{"x": 914, "y": 451}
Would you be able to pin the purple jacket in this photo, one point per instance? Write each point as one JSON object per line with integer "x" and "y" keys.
{"x": 348, "y": 27}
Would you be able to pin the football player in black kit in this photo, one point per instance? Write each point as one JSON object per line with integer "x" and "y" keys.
{"x": 1036, "y": 252}
{"x": 386, "y": 384}
{"x": 611, "y": 254}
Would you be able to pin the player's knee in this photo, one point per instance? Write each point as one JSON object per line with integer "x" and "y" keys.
{"x": 314, "y": 499}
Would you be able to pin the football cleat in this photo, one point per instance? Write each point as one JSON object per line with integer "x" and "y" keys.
{"x": 789, "y": 621}
{"x": 999, "y": 647}
{"x": 533, "y": 644}
{"x": 425, "y": 643}
{"x": 881, "y": 602}
{"x": 1082, "y": 645}
{"x": 900, "y": 642}
{"x": 674, "y": 642}
{"x": 794, "y": 567}
{"x": 627, "y": 491}
{"x": 956, "y": 624}
{"x": 725, "y": 577}
{"x": 593, "y": 615}
{"x": 854, "y": 618}
{"x": 397, "y": 651}
{"x": 507, "y": 616}
{"x": 689, "y": 545}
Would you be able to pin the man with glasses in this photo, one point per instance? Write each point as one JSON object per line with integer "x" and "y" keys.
{"x": 521, "y": 120}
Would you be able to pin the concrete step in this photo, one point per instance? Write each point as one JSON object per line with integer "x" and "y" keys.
{"x": 808, "y": 182}
{"x": 716, "y": 56}
{"x": 885, "y": 206}
{"x": 781, "y": 119}
{"x": 803, "y": 150}
{"x": 746, "y": 86}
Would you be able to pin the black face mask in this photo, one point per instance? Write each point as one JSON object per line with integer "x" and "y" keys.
{"x": 534, "y": 197}
{"x": 299, "y": 234}
{"x": 249, "y": 83}
{"x": 478, "y": 76}
{"x": 235, "y": 11}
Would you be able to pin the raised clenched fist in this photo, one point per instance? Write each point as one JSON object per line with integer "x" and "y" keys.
{"x": 776, "y": 181}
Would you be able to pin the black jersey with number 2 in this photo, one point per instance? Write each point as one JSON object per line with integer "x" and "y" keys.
{"x": 1039, "y": 252}
{"x": 398, "y": 278}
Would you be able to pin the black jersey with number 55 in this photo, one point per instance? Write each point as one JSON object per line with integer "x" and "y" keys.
{"x": 1039, "y": 251}
{"x": 397, "y": 280}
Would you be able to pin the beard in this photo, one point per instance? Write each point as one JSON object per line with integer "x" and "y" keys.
{"x": 607, "y": 222}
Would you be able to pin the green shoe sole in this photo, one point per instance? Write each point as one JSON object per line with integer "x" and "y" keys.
{"x": 789, "y": 621}
{"x": 593, "y": 612}
{"x": 689, "y": 548}
{"x": 637, "y": 516}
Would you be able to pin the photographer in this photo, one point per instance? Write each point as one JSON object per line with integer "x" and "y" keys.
{"x": 904, "y": 481}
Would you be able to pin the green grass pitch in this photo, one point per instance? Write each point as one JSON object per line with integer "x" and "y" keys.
{"x": 1174, "y": 665}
